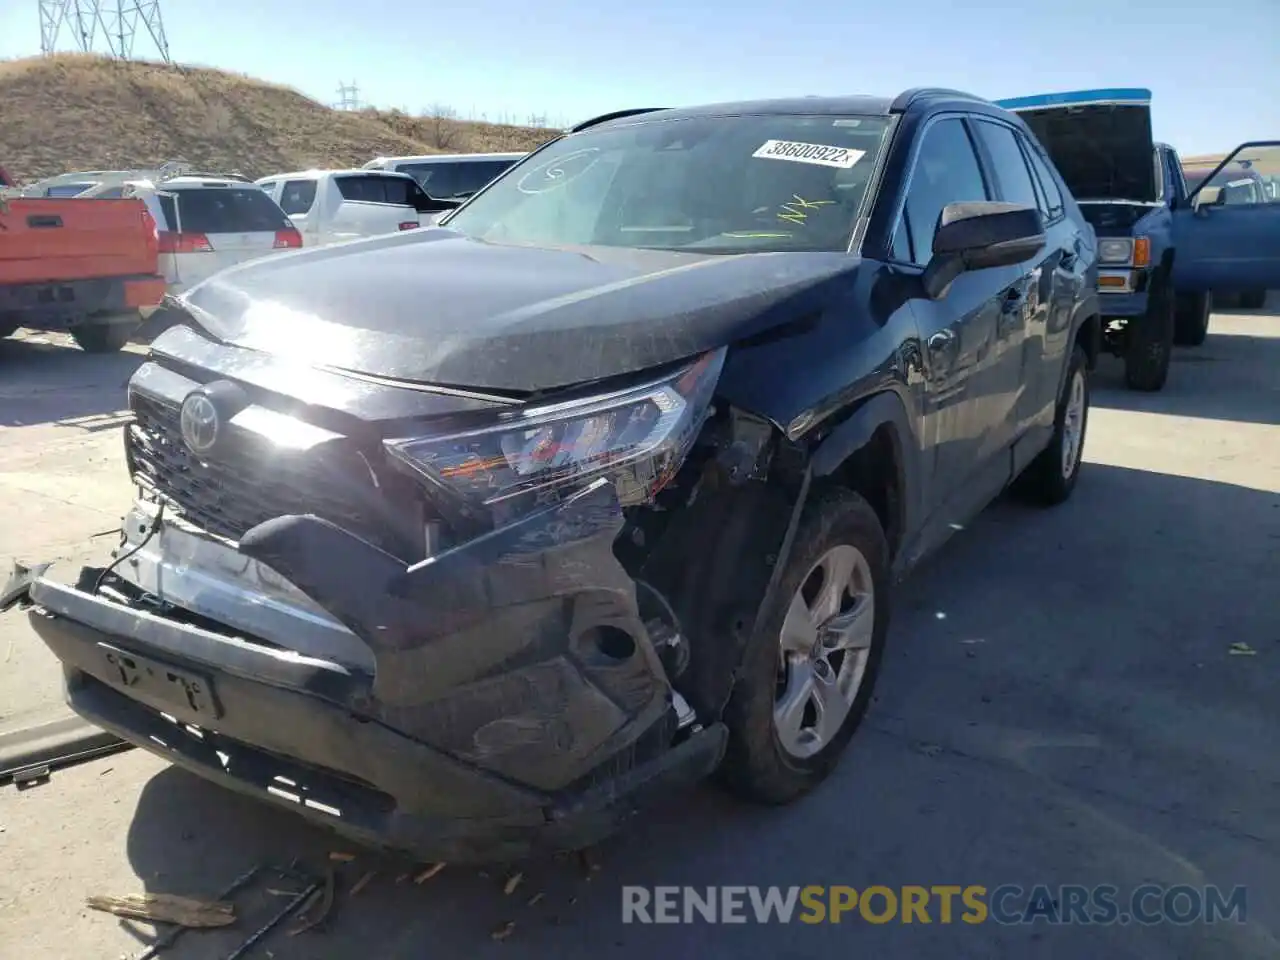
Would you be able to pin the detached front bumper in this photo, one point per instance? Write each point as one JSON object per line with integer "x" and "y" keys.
{"x": 515, "y": 703}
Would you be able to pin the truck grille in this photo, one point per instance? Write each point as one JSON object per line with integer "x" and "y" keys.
{"x": 244, "y": 486}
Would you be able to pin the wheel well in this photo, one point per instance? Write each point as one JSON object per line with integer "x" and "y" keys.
{"x": 1089, "y": 336}
{"x": 874, "y": 471}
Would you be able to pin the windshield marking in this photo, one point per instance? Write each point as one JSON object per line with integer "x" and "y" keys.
{"x": 798, "y": 152}
{"x": 794, "y": 211}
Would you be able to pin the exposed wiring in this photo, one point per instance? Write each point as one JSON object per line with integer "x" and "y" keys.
{"x": 155, "y": 526}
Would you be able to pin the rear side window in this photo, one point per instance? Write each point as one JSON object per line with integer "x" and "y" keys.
{"x": 375, "y": 189}
{"x": 229, "y": 210}
{"x": 297, "y": 196}
{"x": 1048, "y": 182}
{"x": 66, "y": 190}
{"x": 169, "y": 211}
{"x": 1012, "y": 175}
{"x": 946, "y": 171}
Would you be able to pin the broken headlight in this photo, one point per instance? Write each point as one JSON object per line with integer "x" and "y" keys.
{"x": 638, "y": 437}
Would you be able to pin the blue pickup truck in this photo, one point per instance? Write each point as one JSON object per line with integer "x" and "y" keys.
{"x": 1163, "y": 246}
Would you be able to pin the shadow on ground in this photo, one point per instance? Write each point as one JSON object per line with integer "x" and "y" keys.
{"x": 1200, "y": 385}
{"x": 1059, "y": 705}
{"x": 47, "y": 379}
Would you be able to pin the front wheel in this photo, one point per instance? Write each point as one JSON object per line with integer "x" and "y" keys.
{"x": 105, "y": 337}
{"x": 1149, "y": 343}
{"x": 811, "y": 664}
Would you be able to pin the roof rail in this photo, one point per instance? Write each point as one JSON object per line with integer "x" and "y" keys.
{"x": 616, "y": 115}
{"x": 908, "y": 97}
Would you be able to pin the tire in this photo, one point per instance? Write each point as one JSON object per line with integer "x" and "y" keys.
{"x": 1191, "y": 322}
{"x": 1253, "y": 299}
{"x": 1050, "y": 478}
{"x": 1149, "y": 343}
{"x": 104, "y": 337}
{"x": 841, "y": 527}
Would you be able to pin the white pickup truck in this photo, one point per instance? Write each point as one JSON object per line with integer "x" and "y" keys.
{"x": 330, "y": 206}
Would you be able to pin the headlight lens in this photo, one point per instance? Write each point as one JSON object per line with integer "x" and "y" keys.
{"x": 639, "y": 436}
{"x": 1115, "y": 251}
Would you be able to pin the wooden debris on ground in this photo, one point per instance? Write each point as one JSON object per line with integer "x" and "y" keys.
{"x": 362, "y": 883}
{"x": 513, "y": 881}
{"x": 428, "y": 873}
{"x": 337, "y": 856}
{"x": 166, "y": 908}
{"x": 503, "y": 930}
{"x": 326, "y": 905}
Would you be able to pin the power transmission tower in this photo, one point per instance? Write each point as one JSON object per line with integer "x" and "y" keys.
{"x": 348, "y": 97}
{"x": 104, "y": 26}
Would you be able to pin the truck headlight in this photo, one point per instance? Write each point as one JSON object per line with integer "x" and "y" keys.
{"x": 1115, "y": 251}
{"x": 639, "y": 437}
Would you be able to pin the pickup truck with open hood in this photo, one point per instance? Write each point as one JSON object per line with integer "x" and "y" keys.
{"x": 1164, "y": 248}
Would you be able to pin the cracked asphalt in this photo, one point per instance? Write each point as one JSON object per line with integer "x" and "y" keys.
{"x": 1061, "y": 704}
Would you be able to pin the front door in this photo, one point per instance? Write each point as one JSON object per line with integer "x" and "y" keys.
{"x": 959, "y": 330}
{"x": 1227, "y": 234}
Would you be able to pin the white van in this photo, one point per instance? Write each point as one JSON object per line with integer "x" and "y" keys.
{"x": 450, "y": 176}
{"x": 330, "y": 206}
{"x": 206, "y": 224}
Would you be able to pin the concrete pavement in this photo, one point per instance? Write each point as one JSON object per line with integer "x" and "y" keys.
{"x": 1060, "y": 704}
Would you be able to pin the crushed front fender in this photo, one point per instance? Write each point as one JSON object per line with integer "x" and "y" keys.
{"x": 521, "y": 651}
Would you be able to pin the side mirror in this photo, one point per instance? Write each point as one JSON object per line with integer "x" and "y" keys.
{"x": 978, "y": 235}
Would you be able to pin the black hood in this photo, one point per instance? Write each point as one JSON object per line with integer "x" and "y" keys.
{"x": 436, "y": 307}
{"x": 1104, "y": 151}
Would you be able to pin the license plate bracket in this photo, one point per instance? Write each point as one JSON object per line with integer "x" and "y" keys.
{"x": 185, "y": 689}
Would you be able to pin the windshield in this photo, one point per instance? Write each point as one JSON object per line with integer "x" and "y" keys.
{"x": 707, "y": 184}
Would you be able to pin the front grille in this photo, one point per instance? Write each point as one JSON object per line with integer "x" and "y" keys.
{"x": 247, "y": 483}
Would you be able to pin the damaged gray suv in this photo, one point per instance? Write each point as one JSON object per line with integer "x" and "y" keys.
{"x": 467, "y": 541}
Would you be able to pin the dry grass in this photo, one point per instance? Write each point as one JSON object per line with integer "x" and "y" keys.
{"x": 79, "y": 112}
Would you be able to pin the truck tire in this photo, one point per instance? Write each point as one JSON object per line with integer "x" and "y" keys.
{"x": 1050, "y": 478}
{"x": 1191, "y": 321}
{"x": 104, "y": 337}
{"x": 1253, "y": 299}
{"x": 1149, "y": 342}
{"x": 803, "y": 688}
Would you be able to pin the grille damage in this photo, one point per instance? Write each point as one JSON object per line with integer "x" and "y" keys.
{"x": 248, "y": 482}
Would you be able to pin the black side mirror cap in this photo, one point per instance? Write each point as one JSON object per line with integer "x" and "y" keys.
{"x": 978, "y": 235}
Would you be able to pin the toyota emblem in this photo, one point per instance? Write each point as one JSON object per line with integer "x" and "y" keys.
{"x": 199, "y": 423}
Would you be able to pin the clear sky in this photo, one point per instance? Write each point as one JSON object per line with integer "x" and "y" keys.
{"x": 1214, "y": 68}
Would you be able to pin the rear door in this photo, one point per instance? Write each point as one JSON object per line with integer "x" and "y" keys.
{"x": 238, "y": 223}
{"x": 373, "y": 203}
{"x": 1228, "y": 237}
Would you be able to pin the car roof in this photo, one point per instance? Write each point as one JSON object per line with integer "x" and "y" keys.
{"x": 307, "y": 174}
{"x": 850, "y": 105}
{"x": 449, "y": 157}
{"x": 195, "y": 183}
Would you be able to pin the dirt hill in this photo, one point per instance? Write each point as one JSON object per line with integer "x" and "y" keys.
{"x": 77, "y": 112}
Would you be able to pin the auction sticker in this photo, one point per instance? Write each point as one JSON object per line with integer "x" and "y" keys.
{"x": 824, "y": 156}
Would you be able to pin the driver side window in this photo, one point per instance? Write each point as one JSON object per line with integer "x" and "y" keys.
{"x": 946, "y": 171}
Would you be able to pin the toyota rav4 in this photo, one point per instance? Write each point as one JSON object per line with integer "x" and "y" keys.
{"x": 469, "y": 540}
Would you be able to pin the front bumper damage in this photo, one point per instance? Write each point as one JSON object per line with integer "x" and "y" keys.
{"x": 499, "y": 699}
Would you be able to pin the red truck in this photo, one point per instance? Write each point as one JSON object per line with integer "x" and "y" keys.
{"x": 87, "y": 267}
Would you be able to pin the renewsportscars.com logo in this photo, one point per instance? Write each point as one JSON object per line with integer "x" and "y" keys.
{"x": 1008, "y": 904}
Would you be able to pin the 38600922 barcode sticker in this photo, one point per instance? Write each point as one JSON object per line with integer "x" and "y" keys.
{"x": 817, "y": 153}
